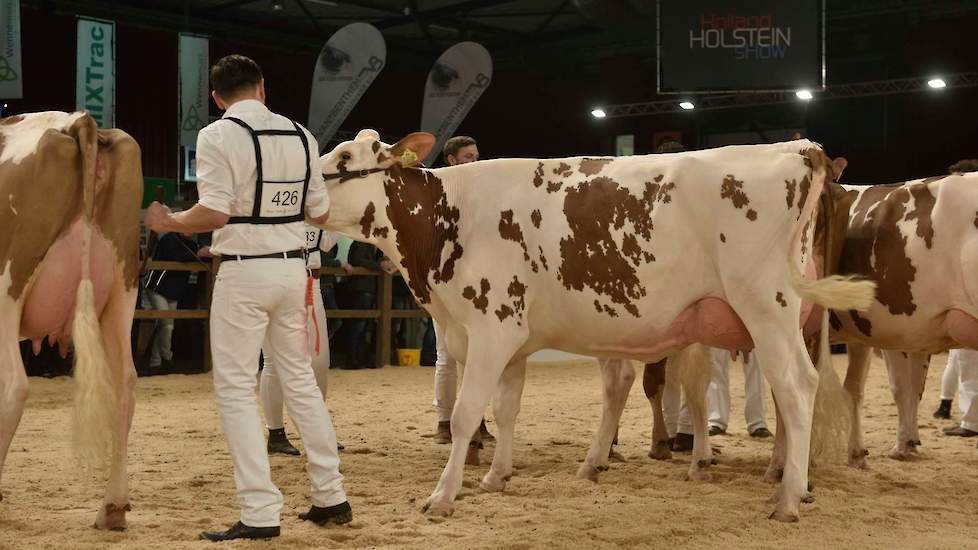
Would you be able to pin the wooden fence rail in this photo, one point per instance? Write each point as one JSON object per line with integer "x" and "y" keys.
{"x": 385, "y": 314}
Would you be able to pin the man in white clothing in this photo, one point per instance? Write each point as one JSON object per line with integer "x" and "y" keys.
{"x": 965, "y": 362}
{"x": 259, "y": 180}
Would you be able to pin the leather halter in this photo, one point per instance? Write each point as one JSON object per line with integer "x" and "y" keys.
{"x": 347, "y": 175}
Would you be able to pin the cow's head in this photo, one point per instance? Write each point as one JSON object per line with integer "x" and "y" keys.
{"x": 355, "y": 173}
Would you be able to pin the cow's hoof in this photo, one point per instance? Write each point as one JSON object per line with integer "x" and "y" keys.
{"x": 438, "y": 509}
{"x": 112, "y": 518}
{"x": 660, "y": 451}
{"x": 472, "y": 456}
{"x": 773, "y": 475}
{"x": 784, "y": 517}
{"x": 615, "y": 456}
{"x": 901, "y": 454}
{"x": 494, "y": 484}
{"x": 699, "y": 471}
{"x": 589, "y": 472}
{"x": 808, "y": 498}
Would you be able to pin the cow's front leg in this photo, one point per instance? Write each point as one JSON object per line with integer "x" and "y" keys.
{"x": 13, "y": 379}
{"x": 115, "y": 326}
{"x": 907, "y": 373}
{"x": 855, "y": 386}
{"x": 487, "y": 357}
{"x": 694, "y": 370}
{"x": 654, "y": 384}
{"x": 617, "y": 377}
{"x": 505, "y": 407}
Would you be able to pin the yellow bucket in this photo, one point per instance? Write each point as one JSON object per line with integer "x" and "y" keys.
{"x": 409, "y": 357}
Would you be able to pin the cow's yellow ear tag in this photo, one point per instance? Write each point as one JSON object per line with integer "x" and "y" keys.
{"x": 408, "y": 158}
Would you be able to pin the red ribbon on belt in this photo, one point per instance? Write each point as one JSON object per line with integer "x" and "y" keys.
{"x": 311, "y": 311}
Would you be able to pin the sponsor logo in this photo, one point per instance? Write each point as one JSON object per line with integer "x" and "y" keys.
{"x": 746, "y": 36}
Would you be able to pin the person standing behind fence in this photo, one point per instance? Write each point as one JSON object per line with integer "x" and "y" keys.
{"x": 164, "y": 289}
{"x": 457, "y": 150}
{"x": 259, "y": 180}
{"x": 272, "y": 401}
{"x": 364, "y": 291}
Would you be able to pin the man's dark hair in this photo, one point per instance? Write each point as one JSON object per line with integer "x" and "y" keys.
{"x": 454, "y": 144}
{"x": 233, "y": 74}
{"x": 967, "y": 165}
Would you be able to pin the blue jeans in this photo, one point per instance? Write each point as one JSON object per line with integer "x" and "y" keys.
{"x": 356, "y": 350}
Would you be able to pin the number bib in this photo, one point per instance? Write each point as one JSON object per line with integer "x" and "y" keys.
{"x": 280, "y": 200}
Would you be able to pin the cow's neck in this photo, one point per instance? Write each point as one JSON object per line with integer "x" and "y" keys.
{"x": 423, "y": 213}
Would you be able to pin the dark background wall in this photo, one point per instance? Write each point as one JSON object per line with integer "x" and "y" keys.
{"x": 535, "y": 109}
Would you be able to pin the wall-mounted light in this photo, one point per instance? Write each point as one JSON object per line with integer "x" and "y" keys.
{"x": 803, "y": 95}
{"x": 687, "y": 105}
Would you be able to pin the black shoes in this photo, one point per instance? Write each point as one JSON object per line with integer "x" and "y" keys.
{"x": 959, "y": 431}
{"x": 717, "y": 430}
{"x": 761, "y": 433}
{"x": 279, "y": 444}
{"x": 484, "y": 432}
{"x": 683, "y": 443}
{"x": 338, "y": 514}
{"x": 241, "y": 531}
{"x": 943, "y": 410}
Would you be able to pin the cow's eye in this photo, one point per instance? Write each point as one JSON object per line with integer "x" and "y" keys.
{"x": 345, "y": 156}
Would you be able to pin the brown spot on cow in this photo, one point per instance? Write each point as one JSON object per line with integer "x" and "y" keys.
{"x": 590, "y": 255}
{"x": 723, "y": 238}
{"x": 779, "y": 297}
{"x": 733, "y": 189}
{"x": 481, "y": 301}
{"x": 834, "y": 321}
{"x": 367, "y": 220}
{"x": 803, "y": 188}
{"x": 517, "y": 291}
{"x": 875, "y": 248}
{"x": 590, "y": 167}
{"x": 536, "y": 217}
{"x": 861, "y": 323}
{"x": 924, "y": 202}
{"x": 543, "y": 259}
{"x": 534, "y": 266}
{"x": 503, "y": 312}
{"x": 597, "y": 306}
{"x": 538, "y": 175}
{"x": 381, "y": 232}
{"x": 554, "y": 186}
{"x": 790, "y": 187}
{"x": 630, "y": 308}
{"x": 425, "y": 224}
{"x": 563, "y": 169}
{"x": 375, "y": 146}
{"x": 511, "y": 231}
{"x": 612, "y": 312}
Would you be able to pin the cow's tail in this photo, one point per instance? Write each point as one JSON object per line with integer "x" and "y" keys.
{"x": 830, "y": 424}
{"x": 95, "y": 398}
{"x": 834, "y": 291}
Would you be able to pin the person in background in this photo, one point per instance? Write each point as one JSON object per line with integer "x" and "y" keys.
{"x": 165, "y": 288}
{"x": 457, "y": 150}
{"x": 364, "y": 293}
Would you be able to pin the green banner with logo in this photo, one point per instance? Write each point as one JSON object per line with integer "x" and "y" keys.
{"x": 11, "y": 75}
{"x": 194, "y": 64}
{"x": 95, "y": 75}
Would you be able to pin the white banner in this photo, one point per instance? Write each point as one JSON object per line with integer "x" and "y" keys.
{"x": 347, "y": 65}
{"x": 11, "y": 75}
{"x": 95, "y": 75}
{"x": 194, "y": 65}
{"x": 454, "y": 84}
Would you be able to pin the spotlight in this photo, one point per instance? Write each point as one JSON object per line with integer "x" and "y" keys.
{"x": 277, "y": 5}
{"x": 937, "y": 83}
{"x": 803, "y": 95}
{"x": 598, "y": 113}
{"x": 686, "y": 105}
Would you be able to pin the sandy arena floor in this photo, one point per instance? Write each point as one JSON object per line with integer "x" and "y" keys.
{"x": 181, "y": 476}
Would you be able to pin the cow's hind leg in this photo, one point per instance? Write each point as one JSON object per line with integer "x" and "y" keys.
{"x": 907, "y": 373}
{"x": 115, "y": 325}
{"x": 775, "y": 468}
{"x": 487, "y": 357}
{"x": 617, "y": 376}
{"x": 855, "y": 385}
{"x": 13, "y": 387}
{"x": 693, "y": 367}
{"x": 654, "y": 382}
{"x": 505, "y": 407}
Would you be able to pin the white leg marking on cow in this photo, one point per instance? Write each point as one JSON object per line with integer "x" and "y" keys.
{"x": 505, "y": 407}
{"x": 907, "y": 376}
{"x": 617, "y": 377}
{"x": 775, "y": 468}
{"x": 855, "y": 385}
{"x": 13, "y": 378}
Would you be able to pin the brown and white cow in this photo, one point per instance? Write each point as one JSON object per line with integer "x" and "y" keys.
{"x": 634, "y": 258}
{"x": 919, "y": 242}
{"x": 69, "y": 237}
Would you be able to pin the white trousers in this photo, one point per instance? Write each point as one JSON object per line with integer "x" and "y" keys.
{"x": 161, "y": 350}
{"x": 718, "y": 394}
{"x": 271, "y": 388}
{"x": 949, "y": 380}
{"x": 252, "y": 299}
{"x": 446, "y": 377}
{"x": 965, "y": 361}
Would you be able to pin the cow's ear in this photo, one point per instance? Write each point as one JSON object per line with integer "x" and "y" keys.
{"x": 413, "y": 149}
{"x": 838, "y": 165}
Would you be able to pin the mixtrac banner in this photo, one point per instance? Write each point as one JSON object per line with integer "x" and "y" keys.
{"x": 11, "y": 74}
{"x": 455, "y": 83}
{"x": 740, "y": 45}
{"x": 95, "y": 74}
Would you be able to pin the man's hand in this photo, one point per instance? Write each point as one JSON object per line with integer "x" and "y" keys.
{"x": 347, "y": 268}
{"x": 156, "y": 217}
{"x": 205, "y": 252}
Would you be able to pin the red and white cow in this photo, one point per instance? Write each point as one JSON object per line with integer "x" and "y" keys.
{"x": 634, "y": 257}
{"x": 919, "y": 242}
{"x": 69, "y": 251}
